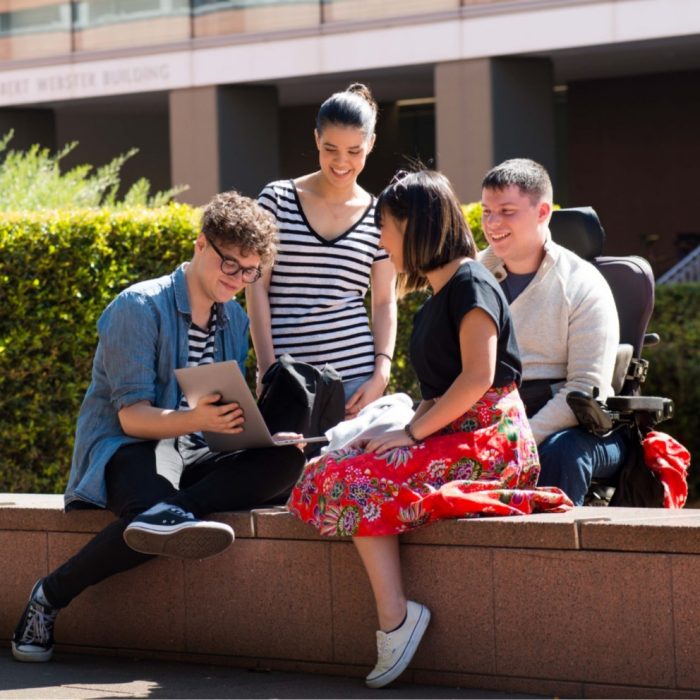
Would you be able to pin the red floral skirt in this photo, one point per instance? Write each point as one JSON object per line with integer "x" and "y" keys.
{"x": 484, "y": 463}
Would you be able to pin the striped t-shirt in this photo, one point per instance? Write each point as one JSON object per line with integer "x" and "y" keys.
{"x": 200, "y": 351}
{"x": 317, "y": 287}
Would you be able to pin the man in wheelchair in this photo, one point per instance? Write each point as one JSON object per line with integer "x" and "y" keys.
{"x": 566, "y": 325}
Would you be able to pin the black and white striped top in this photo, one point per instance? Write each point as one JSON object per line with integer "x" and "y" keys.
{"x": 317, "y": 287}
{"x": 200, "y": 351}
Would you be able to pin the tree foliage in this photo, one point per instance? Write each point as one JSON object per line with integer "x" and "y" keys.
{"x": 33, "y": 180}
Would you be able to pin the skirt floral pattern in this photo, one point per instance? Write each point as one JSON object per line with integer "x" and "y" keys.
{"x": 484, "y": 463}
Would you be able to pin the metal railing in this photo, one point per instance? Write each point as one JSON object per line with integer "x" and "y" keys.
{"x": 685, "y": 270}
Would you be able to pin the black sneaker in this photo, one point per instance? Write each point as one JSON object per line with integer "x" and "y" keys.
{"x": 173, "y": 532}
{"x": 33, "y": 638}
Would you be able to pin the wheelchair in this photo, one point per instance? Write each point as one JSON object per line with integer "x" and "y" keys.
{"x": 631, "y": 281}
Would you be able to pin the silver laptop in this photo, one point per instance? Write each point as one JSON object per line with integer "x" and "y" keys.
{"x": 225, "y": 378}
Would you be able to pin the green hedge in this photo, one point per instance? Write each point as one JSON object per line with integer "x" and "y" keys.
{"x": 58, "y": 270}
{"x": 674, "y": 366}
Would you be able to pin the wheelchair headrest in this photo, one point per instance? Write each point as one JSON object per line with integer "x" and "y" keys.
{"x": 578, "y": 229}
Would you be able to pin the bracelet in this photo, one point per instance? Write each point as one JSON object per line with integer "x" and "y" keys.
{"x": 409, "y": 432}
{"x": 383, "y": 354}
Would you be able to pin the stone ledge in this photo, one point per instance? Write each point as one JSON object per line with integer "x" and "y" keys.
{"x": 529, "y": 604}
{"x": 612, "y": 529}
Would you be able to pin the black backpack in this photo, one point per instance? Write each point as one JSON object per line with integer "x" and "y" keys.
{"x": 299, "y": 398}
{"x": 637, "y": 485}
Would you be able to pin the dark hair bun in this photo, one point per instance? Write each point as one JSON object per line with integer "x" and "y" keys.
{"x": 353, "y": 107}
{"x": 365, "y": 93}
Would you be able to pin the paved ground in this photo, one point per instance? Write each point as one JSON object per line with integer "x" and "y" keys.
{"x": 82, "y": 677}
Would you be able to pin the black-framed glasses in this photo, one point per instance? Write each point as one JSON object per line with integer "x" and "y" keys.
{"x": 231, "y": 266}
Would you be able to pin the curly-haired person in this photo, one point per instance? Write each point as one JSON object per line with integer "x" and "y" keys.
{"x": 139, "y": 450}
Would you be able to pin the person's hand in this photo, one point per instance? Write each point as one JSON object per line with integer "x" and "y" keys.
{"x": 215, "y": 417}
{"x": 291, "y": 436}
{"x": 369, "y": 391}
{"x": 388, "y": 441}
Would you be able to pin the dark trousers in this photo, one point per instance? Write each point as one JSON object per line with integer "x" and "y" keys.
{"x": 210, "y": 482}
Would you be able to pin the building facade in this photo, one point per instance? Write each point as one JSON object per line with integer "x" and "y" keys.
{"x": 220, "y": 94}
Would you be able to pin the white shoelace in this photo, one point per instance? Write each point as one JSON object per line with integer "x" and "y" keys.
{"x": 39, "y": 625}
{"x": 384, "y": 649}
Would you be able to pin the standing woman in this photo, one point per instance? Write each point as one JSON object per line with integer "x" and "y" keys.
{"x": 311, "y": 304}
{"x": 468, "y": 449}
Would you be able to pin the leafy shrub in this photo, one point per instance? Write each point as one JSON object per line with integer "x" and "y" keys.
{"x": 58, "y": 270}
{"x": 32, "y": 180}
{"x": 674, "y": 366}
{"x": 472, "y": 213}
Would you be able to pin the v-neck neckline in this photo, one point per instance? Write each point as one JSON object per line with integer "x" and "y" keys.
{"x": 315, "y": 233}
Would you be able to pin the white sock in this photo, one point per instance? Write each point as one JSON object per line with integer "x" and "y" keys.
{"x": 157, "y": 508}
{"x": 41, "y": 597}
{"x": 160, "y": 507}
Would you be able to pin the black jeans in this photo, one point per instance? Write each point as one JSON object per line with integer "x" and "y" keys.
{"x": 210, "y": 482}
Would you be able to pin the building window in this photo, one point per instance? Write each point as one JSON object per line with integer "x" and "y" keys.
{"x": 51, "y": 18}
{"x": 92, "y": 13}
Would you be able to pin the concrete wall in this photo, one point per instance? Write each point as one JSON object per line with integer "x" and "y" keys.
{"x": 596, "y": 602}
{"x": 634, "y": 155}
{"x": 105, "y": 130}
{"x": 30, "y": 126}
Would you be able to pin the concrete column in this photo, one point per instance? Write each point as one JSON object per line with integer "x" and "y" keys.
{"x": 488, "y": 110}
{"x": 223, "y": 138}
{"x": 194, "y": 143}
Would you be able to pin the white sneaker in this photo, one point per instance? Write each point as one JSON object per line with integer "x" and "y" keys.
{"x": 396, "y": 649}
{"x": 173, "y": 532}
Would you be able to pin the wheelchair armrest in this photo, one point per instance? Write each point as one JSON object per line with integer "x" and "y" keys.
{"x": 651, "y": 339}
{"x": 600, "y": 418}
{"x": 657, "y": 405}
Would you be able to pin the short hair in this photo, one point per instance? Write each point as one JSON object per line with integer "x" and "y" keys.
{"x": 529, "y": 177}
{"x": 436, "y": 230}
{"x": 233, "y": 219}
{"x": 354, "y": 107}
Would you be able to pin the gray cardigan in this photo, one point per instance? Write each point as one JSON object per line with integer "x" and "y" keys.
{"x": 566, "y": 325}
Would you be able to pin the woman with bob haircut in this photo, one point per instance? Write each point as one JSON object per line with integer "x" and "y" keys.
{"x": 467, "y": 451}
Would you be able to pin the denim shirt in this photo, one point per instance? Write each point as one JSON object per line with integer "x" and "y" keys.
{"x": 142, "y": 340}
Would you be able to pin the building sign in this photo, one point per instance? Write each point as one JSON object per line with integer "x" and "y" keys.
{"x": 94, "y": 79}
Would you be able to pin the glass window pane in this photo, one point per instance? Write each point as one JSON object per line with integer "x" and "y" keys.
{"x": 107, "y": 24}
{"x": 33, "y": 29}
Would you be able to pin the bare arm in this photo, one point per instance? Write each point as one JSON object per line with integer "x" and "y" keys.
{"x": 143, "y": 420}
{"x": 478, "y": 346}
{"x": 423, "y": 406}
{"x": 258, "y": 304}
{"x": 384, "y": 333}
